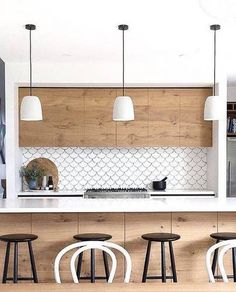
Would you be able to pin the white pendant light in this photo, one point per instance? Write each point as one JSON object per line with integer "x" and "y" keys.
{"x": 213, "y": 109}
{"x": 123, "y": 109}
{"x": 31, "y": 109}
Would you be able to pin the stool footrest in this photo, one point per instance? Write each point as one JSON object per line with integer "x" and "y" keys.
{"x": 21, "y": 279}
{"x": 96, "y": 278}
{"x": 159, "y": 277}
{"x": 220, "y": 277}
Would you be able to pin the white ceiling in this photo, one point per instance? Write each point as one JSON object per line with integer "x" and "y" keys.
{"x": 162, "y": 34}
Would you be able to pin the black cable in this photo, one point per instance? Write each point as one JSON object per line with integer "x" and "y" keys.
{"x": 123, "y": 38}
{"x": 30, "y": 63}
{"x": 214, "y": 88}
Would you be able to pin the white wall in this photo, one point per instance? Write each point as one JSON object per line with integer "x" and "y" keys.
{"x": 231, "y": 93}
{"x": 217, "y": 154}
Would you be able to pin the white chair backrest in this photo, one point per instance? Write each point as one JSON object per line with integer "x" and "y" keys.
{"x": 102, "y": 245}
{"x": 223, "y": 244}
{"x": 230, "y": 245}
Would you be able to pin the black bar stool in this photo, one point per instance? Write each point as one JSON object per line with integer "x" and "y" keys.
{"x": 162, "y": 238}
{"x": 18, "y": 238}
{"x": 224, "y": 236}
{"x": 93, "y": 237}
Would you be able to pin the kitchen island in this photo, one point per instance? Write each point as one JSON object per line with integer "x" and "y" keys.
{"x": 56, "y": 220}
{"x": 154, "y": 204}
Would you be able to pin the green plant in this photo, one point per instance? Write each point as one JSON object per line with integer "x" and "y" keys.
{"x": 32, "y": 172}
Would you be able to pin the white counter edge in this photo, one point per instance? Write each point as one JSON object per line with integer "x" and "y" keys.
{"x": 74, "y": 205}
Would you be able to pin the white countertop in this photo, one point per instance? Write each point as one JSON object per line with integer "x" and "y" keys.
{"x": 151, "y": 192}
{"x": 172, "y": 204}
{"x": 60, "y": 193}
{"x": 181, "y": 192}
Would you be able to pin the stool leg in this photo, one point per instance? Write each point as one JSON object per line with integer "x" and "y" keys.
{"x": 106, "y": 266}
{"x": 32, "y": 261}
{"x": 234, "y": 262}
{"x": 163, "y": 262}
{"x": 92, "y": 266}
{"x": 146, "y": 263}
{"x": 79, "y": 265}
{"x": 172, "y": 260}
{"x": 213, "y": 267}
{"x": 15, "y": 269}
{"x": 5, "y": 269}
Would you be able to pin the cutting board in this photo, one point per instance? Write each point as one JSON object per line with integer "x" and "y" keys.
{"x": 48, "y": 166}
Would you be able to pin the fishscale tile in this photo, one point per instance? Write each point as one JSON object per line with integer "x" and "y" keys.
{"x": 81, "y": 168}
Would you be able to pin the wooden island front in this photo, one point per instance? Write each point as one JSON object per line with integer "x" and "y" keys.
{"x": 56, "y": 230}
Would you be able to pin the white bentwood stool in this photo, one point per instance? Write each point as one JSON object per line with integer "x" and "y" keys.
{"x": 87, "y": 245}
{"x": 224, "y": 246}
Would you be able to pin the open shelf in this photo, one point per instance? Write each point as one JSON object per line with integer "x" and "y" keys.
{"x": 231, "y": 107}
{"x": 231, "y": 119}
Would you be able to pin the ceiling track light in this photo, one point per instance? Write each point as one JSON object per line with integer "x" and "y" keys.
{"x": 31, "y": 109}
{"x": 213, "y": 109}
{"x": 123, "y": 109}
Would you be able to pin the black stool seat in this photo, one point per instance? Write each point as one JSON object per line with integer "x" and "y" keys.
{"x": 223, "y": 235}
{"x": 92, "y": 236}
{"x": 18, "y": 237}
{"x": 161, "y": 237}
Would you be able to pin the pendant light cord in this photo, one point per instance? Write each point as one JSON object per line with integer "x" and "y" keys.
{"x": 123, "y": 73}
{"x": 214, "y": 88}
{"x": 30, "y": 63}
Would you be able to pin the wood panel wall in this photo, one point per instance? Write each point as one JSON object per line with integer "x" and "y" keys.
{"x": 83, "y": 117}
{"x": 56, "y": 230}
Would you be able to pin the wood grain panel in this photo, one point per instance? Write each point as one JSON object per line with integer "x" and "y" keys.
{"x": 117, "y": 287}
{"x": 83, "y": 117}
{"x": 15, "y": 223}
{"x": 100, "y": 129}
{"x": 164, "y": 108}
{"x": 110, "y": 223}
{"x": 137, "y": 224}
{"x": 134, "y": 133}
{"x": 190, "y": 250}
{"x": 194, "y": 131}
{"x": 63, "y": 118}
{"x": 55, "y": 231}
{"x": 227, "y": 223}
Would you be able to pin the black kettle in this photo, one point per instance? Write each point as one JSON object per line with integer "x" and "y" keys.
{"x": 159, "y": 185}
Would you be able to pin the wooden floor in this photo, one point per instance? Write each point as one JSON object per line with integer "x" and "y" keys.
{"x": 188, "y": 287}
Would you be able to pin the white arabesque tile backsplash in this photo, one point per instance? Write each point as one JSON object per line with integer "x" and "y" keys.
{"x": 82, "y": 168}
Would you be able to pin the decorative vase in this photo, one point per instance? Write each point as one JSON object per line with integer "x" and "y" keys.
{"x": 32, "y": 184}
{"x": 44, "y": 182}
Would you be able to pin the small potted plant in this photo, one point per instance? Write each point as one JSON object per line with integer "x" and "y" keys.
{"x": 32, "y": 174}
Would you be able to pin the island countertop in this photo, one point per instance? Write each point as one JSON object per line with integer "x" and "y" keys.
{"x": 72, "y": 205}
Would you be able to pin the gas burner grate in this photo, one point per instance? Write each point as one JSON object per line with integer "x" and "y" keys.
{"x": 116, "y": 193}
{"x": 116, "y": 190}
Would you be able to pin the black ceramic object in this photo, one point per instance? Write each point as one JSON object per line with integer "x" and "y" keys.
{"x": 159, "y": 185}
